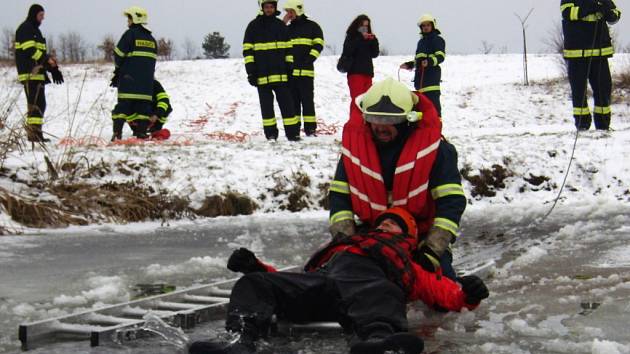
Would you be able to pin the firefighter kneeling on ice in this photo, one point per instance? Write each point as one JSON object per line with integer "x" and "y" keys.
{"x": 362, "y": 281}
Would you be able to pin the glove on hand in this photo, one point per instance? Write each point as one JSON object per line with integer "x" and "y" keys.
{"x": 427, "y": 259}
{"x": 345, "y": 227}
{"x": 56, "y": 75}
{"x": 474, "y": 288}
{"x": 244, "y": 261}
{"x": 605, "y": 5}
{"x": 115, "y": 79}
{"x": 253, "y": 80}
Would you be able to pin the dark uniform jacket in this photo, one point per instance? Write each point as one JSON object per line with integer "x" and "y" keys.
{"x": 361, "y": 51}
{"x": 267, "y": 50}
{"x": 585, "y": 31}
{"x": 136, "y": 54}
{"x": 443, "y": 174}
{"x": 161, "y": 103}
{"x": 30, "y": 52}
{"x": 307, "y": 41}
{"x": 431, "y": 47}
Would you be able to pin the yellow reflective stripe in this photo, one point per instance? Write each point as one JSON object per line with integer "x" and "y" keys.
{"x": 566, "y": 6}
{"x": 446, "y": 190}
{"x": 434, "y": 59}
{"x": 35, "y": 120}
{"x": 421, "y": 55}
{"x": 248, "y": 46}
{"x": 269, "y": 122}
{"x": 31, "y": 77}
{"x": 314, "y": 53}
{"x": 272, "y": 78}
{"x": 301, "y": 72}
{"x": 249, "y": 59}
{"x": 339, "y": 187}
{"x": 309, "y": 119}
{"x": 119, "y": 52}
{"x": 25, "y": 45}
{"x": 602, "y": 110}
{"x": 446, "y": 224}
{"x": 119, "y": 116}
{"x": 607, "y": 51}
{"x": 291, "y": 121}
{"x": 302, "y": 41}
{"x": 163, "y": 105}
{"x": 585, "y": 53}
{"x": 593, "y": 17}
{"x": 430, "y": 88}
{"x": 289, "y": 58}
{"x": 135, "y": 96}
{"x": 163, "y": 120}
{"x": 161, "y": 96}
{"x": 319, "y": 41}
{"x": 138, "y": 53}
{"x": 272, "y": 45}
{"x": 573, "y": 15}
{"x": 341, "y": 216}
{"x": 581, "y": 111}
{"x": 38, "y": 54}
{"x": 440, "y": 53}
{"x": 135, "y": 117}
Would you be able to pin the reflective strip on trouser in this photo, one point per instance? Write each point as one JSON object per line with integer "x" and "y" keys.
{"x": 283, "y": 96}
{"x": 271, "y": 79}
{"x": 36, "y": 102}
{"x": 585, "y": 53}
{"x": 34, "y": 120}
{"x": 134, "y": 96}
{"x": 601, "y": 110}
{"x": 341, "y": 216}
{"x": 302, "y": 89}
{"x": 131, "y": 117}
{"x": 30, "y": 77}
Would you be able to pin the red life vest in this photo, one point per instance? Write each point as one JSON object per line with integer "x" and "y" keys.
{"x": 411, "y": 179}
{"x": 391, "y": 252}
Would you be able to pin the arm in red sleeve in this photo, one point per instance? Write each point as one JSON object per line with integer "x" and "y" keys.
{"x": 436, "y": 290}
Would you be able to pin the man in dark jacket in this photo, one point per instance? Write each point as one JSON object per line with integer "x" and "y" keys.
{"x": 307, "y": 41}
{"x": 362, "y": 281}
{"x": 397, "y": 156}
{"x": 268, "y": 62}
{"x": 430, "y": 53}
{"x": 587, "y": 47}
{"x": 32, "y": 62}
{"x": 135, "y": 57}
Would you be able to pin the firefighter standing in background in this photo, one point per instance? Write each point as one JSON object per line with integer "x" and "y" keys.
{"x": 32, "y": 62}
{"x": 587, "y": 47}
{"x": 268, "y": 62}
{"x": 135, "y": 57}
{"x": 430, "y": 53}
{"x": 307, "y": 40}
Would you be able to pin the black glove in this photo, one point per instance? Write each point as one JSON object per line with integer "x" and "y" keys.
{"x": 115, "y": 79}
{"x": 56, "y": 75}
{"x": 474, "y": 288}
{"x": 253, "y": 80}
{"x": 245, "y": 261}
{"x": 427, "y": 259}
{"x": 605, "y": 5}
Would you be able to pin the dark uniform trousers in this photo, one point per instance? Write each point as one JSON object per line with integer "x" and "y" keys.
{"x": 134, "y": 112}
{"x": 350, "y": 289}
{"x": 429, "y": 85}
{"x": 283, "y": 95}
{"x": 36, "y": 99}
{"x": 303, "y": 88}
{"x": 596, "y": 72}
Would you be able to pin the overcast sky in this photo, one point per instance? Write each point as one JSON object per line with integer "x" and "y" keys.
{"x": 464, "y": 24}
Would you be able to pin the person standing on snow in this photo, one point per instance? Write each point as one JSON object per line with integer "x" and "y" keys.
{"x": 268, "y": 62}
{"x": 396, "y": 156}
{"x": 430, "y": 53}
{"x": 362, "y": 281}
{"x": 359, "y": 48}
{"x": 587, "y": 47}
{"x": 307, "y": 41}
{"x": 32, "y": 62}
{"x": 135, "y": 58}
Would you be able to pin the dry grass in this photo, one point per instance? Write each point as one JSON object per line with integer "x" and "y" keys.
{"x": 228, "y": 204}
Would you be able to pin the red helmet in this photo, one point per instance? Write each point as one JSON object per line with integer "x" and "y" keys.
{"x": 162, "y": 134}
{"x": 402, "y": 217}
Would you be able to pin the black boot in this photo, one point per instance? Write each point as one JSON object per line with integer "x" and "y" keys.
{"x": 241, "y": 346}
{"x": 118, "y": 129}
{"x": 34, "y": 134}
{"x": 139, "y": 128}
{"x": 405, "y": 342}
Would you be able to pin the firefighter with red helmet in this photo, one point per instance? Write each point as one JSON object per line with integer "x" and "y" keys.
{"x": 399, "y": 158}
{"x": 362, "y": 281}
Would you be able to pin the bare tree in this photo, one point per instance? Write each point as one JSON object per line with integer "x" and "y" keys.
{"x": 486, "y": 47}
{"x": 190, "y": 49}
{"x": 107, "y": 48}
{"x": 523, "y": 20}
{"x": 165, "y": 48}
{"x": 8, "y": 44}
{"x": 73, "y": 47}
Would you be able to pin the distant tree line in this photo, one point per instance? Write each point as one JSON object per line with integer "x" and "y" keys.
{"x": 71, "y": 47}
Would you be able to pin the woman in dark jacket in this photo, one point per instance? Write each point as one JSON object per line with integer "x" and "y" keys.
{"x": 359, "y": 48}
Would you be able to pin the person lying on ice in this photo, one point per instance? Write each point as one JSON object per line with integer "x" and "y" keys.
{"x": 362, "y": 281}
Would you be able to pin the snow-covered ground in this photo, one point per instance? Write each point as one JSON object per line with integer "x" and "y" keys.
{"x": 543, "y": 272}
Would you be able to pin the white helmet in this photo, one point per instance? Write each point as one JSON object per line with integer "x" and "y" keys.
{"x": 295, "y": 5}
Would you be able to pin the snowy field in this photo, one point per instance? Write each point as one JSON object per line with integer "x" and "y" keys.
{"x": 547, "y": 270}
